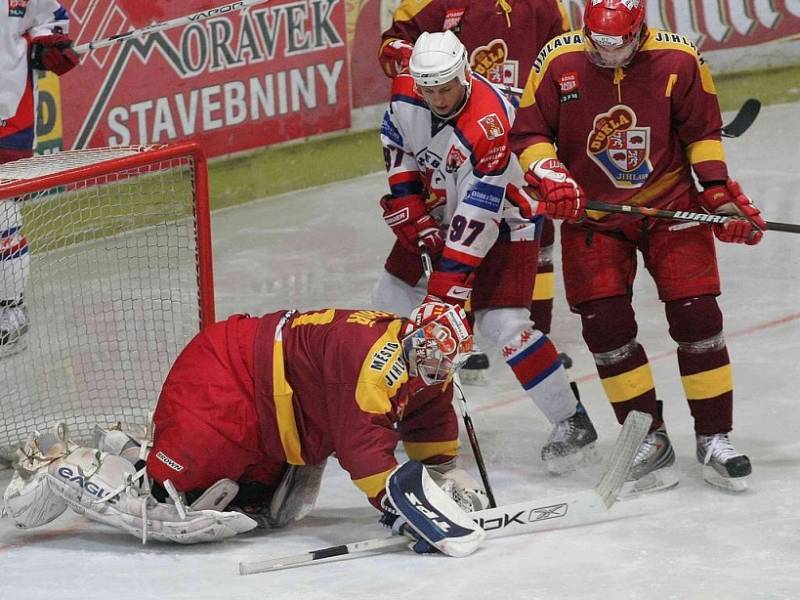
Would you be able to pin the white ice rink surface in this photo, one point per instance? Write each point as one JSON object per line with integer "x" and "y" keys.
{"x": 324, "y": 247}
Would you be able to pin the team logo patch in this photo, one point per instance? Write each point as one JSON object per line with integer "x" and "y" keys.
{"x": 455, "y": 158}
{"x": 17, "y": 8}
{"x": 620, "y": 147}
{"x": 568, "y": 87}
{"x": 172, "y": 464}
{"x": 452, "y": 19}
{"x": 491, "y": 61}
{"x": 492, "y": 126}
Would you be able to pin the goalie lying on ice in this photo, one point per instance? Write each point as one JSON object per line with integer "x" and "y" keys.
{"x": 248, "y": 415}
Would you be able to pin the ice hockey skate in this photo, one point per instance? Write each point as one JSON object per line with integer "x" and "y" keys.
{"x": 571, "y": 444}
{"x": 723, "y": 466}
{"x": 653, "y": 467}
{"x": 14, "y": 326}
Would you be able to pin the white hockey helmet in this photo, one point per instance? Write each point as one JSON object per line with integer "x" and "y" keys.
{"x": 437, "y": 58}
{"x": 437, "y": 341}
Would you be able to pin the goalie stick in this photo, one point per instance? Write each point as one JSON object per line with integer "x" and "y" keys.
{"x": 427, "y": 268}
{"x": 163, "y": 26}
{"x": 523, "y": 517}
{"x": 741, "y": 122}
{"x": 682, "y": 215}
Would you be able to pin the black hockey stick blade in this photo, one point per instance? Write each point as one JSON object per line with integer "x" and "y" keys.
{"x": 743, "y": 119}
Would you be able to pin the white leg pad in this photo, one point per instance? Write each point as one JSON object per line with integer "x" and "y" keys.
{"x": 102, "y": 487}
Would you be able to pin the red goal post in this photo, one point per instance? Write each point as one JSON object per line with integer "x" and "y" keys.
{"x": 120, "y": 278}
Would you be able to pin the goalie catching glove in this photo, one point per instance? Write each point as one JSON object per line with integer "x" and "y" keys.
{"x": 412, "y": 224}
{"x": 418, "y": 508}
{"x": 728, "y": 199}
{"x": 560, "y": 196}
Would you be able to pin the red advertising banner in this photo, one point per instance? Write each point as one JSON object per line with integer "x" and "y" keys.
{"x": 243, "y": 79}
{"x": 711, "y": 24}
{"x": 287, "y": 69}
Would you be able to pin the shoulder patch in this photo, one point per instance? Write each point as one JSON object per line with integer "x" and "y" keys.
{"x": 452, "y": 19}
{"x": 492, "y": 126}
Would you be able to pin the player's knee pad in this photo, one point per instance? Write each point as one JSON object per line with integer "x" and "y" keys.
{"x": 695, "y": 323}
{"x": 502, "y": 326}
{"x": 608, "y": 324}
{"x": 394, "y": 295}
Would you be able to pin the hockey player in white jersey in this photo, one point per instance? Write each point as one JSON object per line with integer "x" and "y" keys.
{"x": 456, "y": 188}
{"x": 32, "y": 36}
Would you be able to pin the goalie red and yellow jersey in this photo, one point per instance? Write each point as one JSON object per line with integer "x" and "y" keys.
{"x": 249, "y": 395}
{"x": 335, "y": 381}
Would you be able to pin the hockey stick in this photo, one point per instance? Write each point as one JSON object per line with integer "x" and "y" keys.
{"x": 427, "y": 267}
{"x": 163, "y": 26}
{"x": 682, "y": 215}
{"x": 744, "y": 118}
{"x": 569, "y": 510}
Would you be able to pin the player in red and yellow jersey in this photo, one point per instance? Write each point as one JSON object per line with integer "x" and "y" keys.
{"x": 503, "y": 38}
{"x": 624, "y": 114}
{"x": 247, "y": 417}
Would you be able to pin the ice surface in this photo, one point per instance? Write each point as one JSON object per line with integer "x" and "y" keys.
{"x": 324, "y": 247}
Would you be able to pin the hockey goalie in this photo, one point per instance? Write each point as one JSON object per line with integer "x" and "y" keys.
{"x": 247, "y": 417}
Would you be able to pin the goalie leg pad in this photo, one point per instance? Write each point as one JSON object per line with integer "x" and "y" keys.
{"x": 30, "y": 501}
{"x": 430, "y": 512}
{"x": 28, "y": 498}
{"x": 296, "y": 494}
{"x": 102, "y": 487}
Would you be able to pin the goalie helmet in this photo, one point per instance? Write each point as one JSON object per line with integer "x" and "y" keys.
{"x": 613, "y": 31}
{"x": 437, "y": 58}
{"x": 438, "y": 340}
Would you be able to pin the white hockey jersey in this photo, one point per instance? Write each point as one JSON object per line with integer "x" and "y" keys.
{"x": 463, "y": 167}
{"x": 20, "y": 19}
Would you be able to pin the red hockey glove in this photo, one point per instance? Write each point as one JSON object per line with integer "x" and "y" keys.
{"x": 728, "y": 199}
{"x": 452, "y": 288}
{"x": 53, "y": 53}
{"x": 411, "y": 223}
{"x": 559, "y": 193}
{"x": 395, "y": 56}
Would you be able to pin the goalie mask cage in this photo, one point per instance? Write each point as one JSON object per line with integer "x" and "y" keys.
{"x": 120, "y": 279}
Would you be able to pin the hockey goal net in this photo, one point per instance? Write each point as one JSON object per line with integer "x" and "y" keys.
{"x": 115, "y": 278}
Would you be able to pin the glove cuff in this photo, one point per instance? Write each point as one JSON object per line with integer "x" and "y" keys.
{"x": 451, "y": 287}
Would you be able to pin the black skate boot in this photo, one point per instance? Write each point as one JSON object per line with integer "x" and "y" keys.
{"x": 723, "y": 465}
{"x": 571, "y": 443}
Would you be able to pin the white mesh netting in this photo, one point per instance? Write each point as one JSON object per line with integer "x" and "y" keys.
{"x": 112, "y": 290}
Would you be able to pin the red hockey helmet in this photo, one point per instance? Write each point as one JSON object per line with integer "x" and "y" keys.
{"x": 438, "y": 340}
{"x": 613, "y": 31}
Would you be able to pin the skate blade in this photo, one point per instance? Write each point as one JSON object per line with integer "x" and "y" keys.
{"x": 559, "y": 465}
{"x": 655, "y": 481}
{"x": 474, "y": 376}
{"x": 729, "y": 484}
